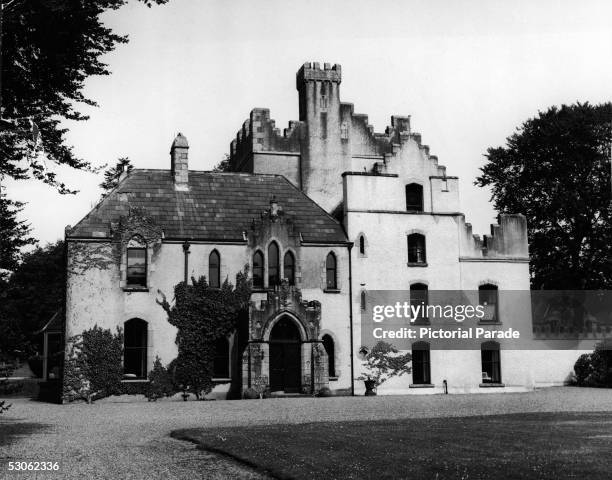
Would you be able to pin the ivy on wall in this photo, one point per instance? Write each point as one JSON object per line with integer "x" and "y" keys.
{"x": 94, "y": 366}
{"x": 202, "y": 315}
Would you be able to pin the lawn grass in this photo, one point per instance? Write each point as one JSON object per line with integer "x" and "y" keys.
{"x": 10, "y": 430}
{"x": 514, "y": 446}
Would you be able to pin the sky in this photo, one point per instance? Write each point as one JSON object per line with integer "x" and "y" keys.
{"x": 467, "y": 72}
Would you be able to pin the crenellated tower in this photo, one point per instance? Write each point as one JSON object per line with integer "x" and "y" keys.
{"x": 325, "y": 153}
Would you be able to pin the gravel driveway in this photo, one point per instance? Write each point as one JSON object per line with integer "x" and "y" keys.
{"x": 117, "y": 439}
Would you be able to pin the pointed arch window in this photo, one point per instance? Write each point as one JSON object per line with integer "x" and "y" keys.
{"x": 421, "y": 369}
{"x": 331, "y": 273}
{"x": 273, "y": 267}
{"x": 214, "y": 269}
{"x": 491, "y": 362}
{"x": 135, "y": 348}
{"x": 416, "y": 249}
{"x": 289, "y": 268}
{"x": 328, "y": 344}
{"x": 414, "y": 197}
{"x": 258, "y": 270}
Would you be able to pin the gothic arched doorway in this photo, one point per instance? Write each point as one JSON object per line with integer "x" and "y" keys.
{"x": 285, "y": 356}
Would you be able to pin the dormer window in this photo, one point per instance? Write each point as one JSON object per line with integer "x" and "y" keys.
{"x": 136, "y": 263}
{"x": 414, "y": 197}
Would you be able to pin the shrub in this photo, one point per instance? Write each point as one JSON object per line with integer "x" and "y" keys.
{"x": 93, "y": 365}
{"x": 324, "y": 392}
{"x": 35, "y": 362}
{"x": 594, "y": 369}
{"x": 3, "y": 405}
{"x": 250, "y": 394}
{"x": 583, "y": 368}
{"x": 160, "y": 382}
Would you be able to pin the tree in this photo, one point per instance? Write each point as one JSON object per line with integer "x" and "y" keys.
{"x": 555, "y": 170}
{"x": 223, "y": 165}
{"x": 202, "y": 315}
{"x": 14, "y": 234}
{"x": 385, "y": 361}
{"x": 49, "y": 49}
{"x": 32, "y": 295}
{"x": 112, "y": 175}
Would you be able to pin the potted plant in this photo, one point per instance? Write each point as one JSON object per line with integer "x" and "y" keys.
{"x": 381, "y": 363}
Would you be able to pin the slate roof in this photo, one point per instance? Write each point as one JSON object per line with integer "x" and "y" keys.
{"x": 218, "y": 206}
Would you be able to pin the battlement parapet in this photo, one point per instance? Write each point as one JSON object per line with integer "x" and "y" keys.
{"x": 313, "y": 72}
{"x": 259, "y": 133}
{"x": 508, "y": 239}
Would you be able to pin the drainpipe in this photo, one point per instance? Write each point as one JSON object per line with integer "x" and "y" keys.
{"x": 186, "y": 246}
{"x": 350, "y": 247}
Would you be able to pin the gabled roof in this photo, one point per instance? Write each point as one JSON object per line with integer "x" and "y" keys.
{"x": 218, "y": 206}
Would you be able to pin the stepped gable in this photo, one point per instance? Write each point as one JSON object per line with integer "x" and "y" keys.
{"x": 216, "y": 206}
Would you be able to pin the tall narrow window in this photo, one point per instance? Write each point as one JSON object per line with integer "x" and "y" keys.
{"x": 414, "y": 197}
{"x": 289, "y": 268}
{"x": 136, "y": 267}
{"x": 135, "y": 348}
{"x": 416, "y": 249}
{"x": 214, "y": 269}
{"x": 328, "y": 344}
{"x": 418, "y": 302}
{"x": 258, "y": 270}
{"x": 222, "y": 358}
{"x": 361, "y": 245}
{"x": 344, "y": 132}
{"x": 491, "y": 365}
{"x": 487, "y": 297}
{"x": 330, "y": 270}
{"x": 421, "y": 374}
{"x": 273, "y": 261}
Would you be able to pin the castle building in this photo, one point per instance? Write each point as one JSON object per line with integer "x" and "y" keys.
{"x": 320, "y": 213}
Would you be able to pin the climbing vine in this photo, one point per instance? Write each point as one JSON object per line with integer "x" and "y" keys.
{"x": 93, "y": 366}
{"x": 202, "y": 315}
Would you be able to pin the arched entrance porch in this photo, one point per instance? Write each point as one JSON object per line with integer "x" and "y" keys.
{"x": 285, "y": 356}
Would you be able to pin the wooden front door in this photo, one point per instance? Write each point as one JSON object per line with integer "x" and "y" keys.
{"x": 285, "y": 357}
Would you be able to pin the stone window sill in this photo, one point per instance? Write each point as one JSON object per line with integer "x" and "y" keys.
{"x": 331, "y": 290}
{"x": 135, "y": 289}
{"x": 421, "y": 385}
{"x": 135, "y": 380}
{"x": 491, "y": 385}
{"x": 222, "y": 380}
{"x": 417, "y": 264}
{"x": 333, "y": 379}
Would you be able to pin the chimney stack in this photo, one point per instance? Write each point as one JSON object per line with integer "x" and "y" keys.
{"x": 179, "y": 162}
